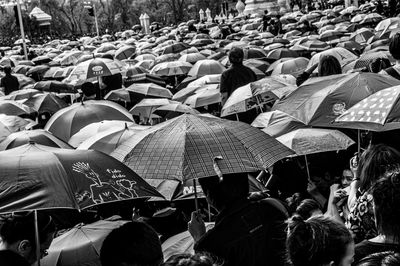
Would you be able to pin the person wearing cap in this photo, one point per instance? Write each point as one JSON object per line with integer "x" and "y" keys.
{"x": 9, "y": 82}
{"x": 236, "y": 76}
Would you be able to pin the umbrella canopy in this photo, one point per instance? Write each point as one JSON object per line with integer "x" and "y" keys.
{"x": 192, "y": 57}
{"x": 276, "y": 123}
{"x": 108, "y": 140}
{"x": 203, "y": 97}
{"x": 96, "y": 128}
{"x": 54, "y": 86}
{"x": 149, "y": 90}
{"x": 314, "y": 45}
{"x": 10, "y": 124}
{"x": 21, "y": 94}
{"x": 378, "y": 112}
{"x": 255, "y": 94}
{"x": 135, "y": 70}
{"x": 173, "y": 68}
{"x": 206, "y": 67}
{"x": 362, "y": 35}
{"x": 174, "y": 48}
{"x": 46, "y": 103}
{"x": 97, "y": 67}
{"x": 24, "y": 80}
{"x": 343, "y": 55}
{"x": 185, "y": 93}
{"x": 124, "y": 52}
{"x": 315, "y": 140}
{"x": 70, "y": 120}
{"x": 35, "y": 177}
{"x": 9, "y": 107}
{"x": 293, "y": 67}
{"x": 281, "y": 53}
{"x": 174, "y": 109}
{"x": 38, "y": 136}
{"x": 184, "y": 147}
{"x": 80, "y": 245}
{"x": 319, "y": 101}
{"x": 146, "y": 107}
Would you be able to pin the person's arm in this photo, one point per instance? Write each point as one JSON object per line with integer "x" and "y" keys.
{"x": 334, "y": 197}
{"x": 224, "y": 88}
{"x": 305, "y": 75}
{"x": 1, "y": 85}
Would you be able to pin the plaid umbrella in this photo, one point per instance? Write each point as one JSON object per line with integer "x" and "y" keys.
{"x": 367, "y": 58}
{"x": 378, "y": 112}
{"x": 184, "y": 147}
{"x": 305, "y": 141}
{"x": 38, "y": 136}
{"x": 71, "y": 179}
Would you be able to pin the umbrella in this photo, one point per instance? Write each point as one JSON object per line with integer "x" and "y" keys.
{"x": 135, "y": 70}
{"x": 255, "y": 94}
{"x": 20, "y": 41}
{"x": 22, "y": 69}
{"x": 184, "y": 147}
{"x": 367, "y": 58}
{"x": 6, "y": 61}
{"x": 371, "y": 18}
{"x": 96, "y": 128}
{"x": 206, "y": 67}
{"x": 378, "y": 112}
{"x": 70, "y": 58}
{"x": 174, "y": 48}
{"x": 192, "y": 57}
{"x": 305, "y": 141}
{"x": 10, "y": 124}
{"x": 70, "y": 120}
{"x": 54, "y": 86}
{"x": 80, "y": 245}
{"x": 51, "y": 71}
{"x": 21, "y": 94}
{"x": 293, "y": 67}
{"x": 173, "y": 68}
{"x": 166, "y": 58}
{"x": 97, "y": 67}
{"x": 45, "y": 103}
{"x": 344, "y": 56}
{"x": 330, "y": 35}
{"x": 43, "y": 59}
{"x": 149, "y": 90}
{"x": 352, "y": 46}
{"x": 319, "y": 101}
{"x": 172, "y": 110}
{"x": 105, "y": 47}
{"x": 314, "y": 45}
{"x": 9, "y": 107}
{"x": 276, "y": 123}
{"x": 108, "y": 140}
{"x": 203, "y": 97}
{"x": 124, "y": 52}
{"x": 38, "y": 136}
{"x": 358, "y": 18}
{"x": 143, "y": 57}
{"x": 183, "y": 94}
{"x": 146, "y": 107}
{"x": 256, "y": 63}
{"x": 362, "y": 35}
{"x": 280, "y": 53}
{"x": 38, "y": 177}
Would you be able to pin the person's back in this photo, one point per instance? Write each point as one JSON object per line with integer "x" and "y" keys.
{"x": 9, "y": 82}
{"x": 236, "y": 76}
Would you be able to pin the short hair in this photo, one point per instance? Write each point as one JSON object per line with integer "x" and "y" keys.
{"x": 329, "y": 65}
{"x": 236, "y": 55}
{"x": 386, "y": 195}
{"x": 21, "y": 226}
{"x": 133, "y": 243}
{"x": 189, "y": 260}
{"x": 222, "y": 192}
{"x": 316, "y": 241}
{"x": 386, "y": 258}
{"x": 7, "y": 69}
{"x": 394, "y": 46}
{"x": 374, "y": 162}
{"x": 306, "y": 207}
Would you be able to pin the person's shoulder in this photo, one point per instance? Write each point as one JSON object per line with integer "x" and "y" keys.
{"x": 10, "y": 258}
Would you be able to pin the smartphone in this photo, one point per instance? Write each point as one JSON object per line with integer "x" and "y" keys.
{"x": 354, "y": 161}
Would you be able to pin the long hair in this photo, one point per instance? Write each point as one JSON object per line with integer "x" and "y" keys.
{"x": 329, "y": 65}
{"x": 394, "y": 46}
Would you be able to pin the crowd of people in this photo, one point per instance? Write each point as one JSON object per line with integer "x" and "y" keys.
{"x": 339, "y": 209}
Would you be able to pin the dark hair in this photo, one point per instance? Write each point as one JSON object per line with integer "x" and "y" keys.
{"x": 190, "y": 260}
{"x": 21, "y": 226}
{"x": 386, "y": 258}
{"x": 133, "y": 243}
{"x": 329, "y": 65}
{"x": 223, "y": 192}
{"x": 386, "y": 195}
{"x": 306, "y": 207}
{"x": 394, "y": 46}
{"x": 378, "y": 64}
{"x": 7, "y": 69}
{"x": 236, "y": 55}
{"x": 316, "y": 241}
{"x": 374, "y": 162}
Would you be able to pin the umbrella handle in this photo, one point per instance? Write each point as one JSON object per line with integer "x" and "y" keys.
{"x": 196, "y": 203}
{"x": 37, "y": 240}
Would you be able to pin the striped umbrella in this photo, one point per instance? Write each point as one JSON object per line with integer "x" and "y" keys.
{"x": 184, "y": 148}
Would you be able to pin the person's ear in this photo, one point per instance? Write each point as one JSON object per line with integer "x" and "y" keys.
{"x": 24, "y": 248}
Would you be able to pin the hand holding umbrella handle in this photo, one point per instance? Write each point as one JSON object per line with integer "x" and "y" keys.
{"x": 216, "y": 167}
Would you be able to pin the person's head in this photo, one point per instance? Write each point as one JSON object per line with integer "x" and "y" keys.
{"x": 189, "y": 260}
{"x": 17, "y": 234}
{"x": 236, "y": 55}
{"x": 221, "y": 193}
{"x": 386, "y": 195}
{"x": 394, "y": 46}
{"x": 329, "y": 65}
{"x": 378, "y": 64}
{"x": 319, "y": 241}
{"x": 374, "y": 162}
{"x": 7, "y": 70}
{"x": 308, "y": 208}
{"x": 386, "y": 258}
{"x": 132, "y": 244}
{"x": 346, "y": 178}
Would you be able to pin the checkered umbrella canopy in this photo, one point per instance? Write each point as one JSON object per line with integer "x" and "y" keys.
{"x": 184, "y": 147}
{"x": 378, "y": 112}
